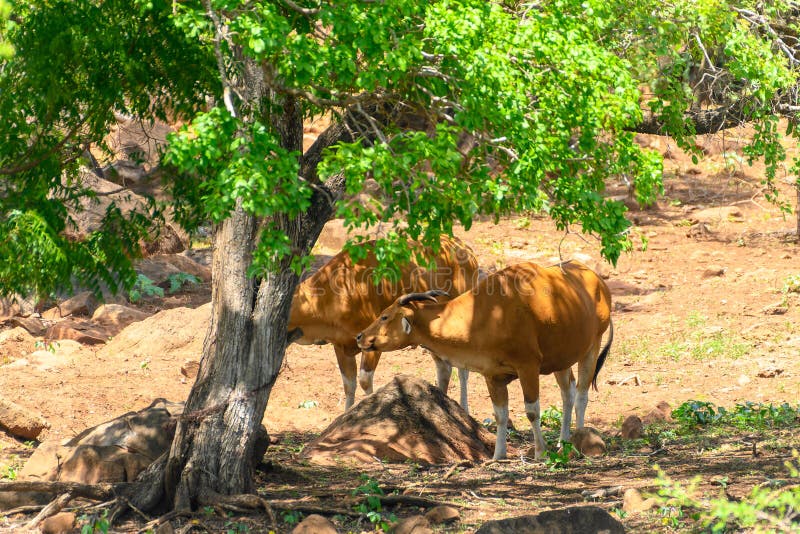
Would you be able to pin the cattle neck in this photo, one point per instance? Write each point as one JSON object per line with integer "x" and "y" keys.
{"x": 439, "y": 324}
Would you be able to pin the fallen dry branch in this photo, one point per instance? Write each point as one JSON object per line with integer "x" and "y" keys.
{"x": 22, "y": 510}
{"x": 602, "y": 493}
{"x": 95, "y": 492}
{"x": 411, "y": 500}
{"x": 55, "y": 506}
{"x": 449, "y": 473}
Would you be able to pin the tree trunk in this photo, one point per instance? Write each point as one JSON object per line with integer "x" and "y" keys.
{"x": 242, "y": 355}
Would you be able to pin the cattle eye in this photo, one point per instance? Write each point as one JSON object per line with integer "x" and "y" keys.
{"x": 384, "y": 317}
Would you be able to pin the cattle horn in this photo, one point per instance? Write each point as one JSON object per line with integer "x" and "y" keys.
{"x": 428, "y": 295}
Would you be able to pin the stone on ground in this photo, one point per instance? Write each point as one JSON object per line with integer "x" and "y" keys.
{"x": 115, "y": 317}
{"x": 633, "y": 502}
{"x": 175, "y": 334}
{"x": 574, "y": 520}
{"x": 407, "y": 419}
{"x": 661, "y": 412}
{"x": 314, "y": 524}
{"x": 84, "y": 332}
{"x": 416, "y": 524}
{"x": 442, "y": 514}
{"x": 632, "y": 427}
{"x": 21, "y": 422}
{"x": 588, "y": 442}
{"x": 59, "y": 523}
{"x": 15, "y": 343}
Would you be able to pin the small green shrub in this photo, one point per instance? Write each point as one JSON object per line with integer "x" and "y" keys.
{"x": 551, "y": 418}
{"x": 371, "y": 505}
{"x": 559, "y": 459}
{"x": 765, "y": 509}
{"x": 178, "y": 280}
{"x": 144, "y": 287}
{"x": 94, "y": 523}
{"x": 745, "y": 416}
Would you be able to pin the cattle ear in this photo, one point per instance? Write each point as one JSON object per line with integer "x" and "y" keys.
{"x": 406, "y": 325}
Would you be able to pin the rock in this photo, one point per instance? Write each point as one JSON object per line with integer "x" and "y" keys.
{"x": 83, "y": 303}
{"x": 713, "y": 215}
{"x": 632, "y": 427}
{"x": 190, "y": 368}
{"x": 32, "y": 324}
{"x": 713, "y": 271}
{"x": 743, "y": 380}
{"x": 442, "y": 514}
{"x": 15, "y": 343}
{"x": 769, "y": 372}
{"x": 84, "y": 332}
{"x": 632, "y": 501}
{"x": 115, "y": 317}
{"x": 416, "y": 524}
{"x": 314, "y": 524}
{"x": 176, "y": 334}
{"x": 776, "y": 308}
{"x": 165, "y": 528}
{"x": 407, "y": 419}
{"x": 167, "y": 241}
{"x": 186, "y": 264}
{"x": 21, "y": 422}
{"x": 16, "y": 306}
{"x": 662, "y": 412}
{"x": 160, "y": 267}
{"x": 574, "y": 520}
{"x": 115, "y": 451}
{"x": 588, "y": 442}
{"x": 60, "y": 523}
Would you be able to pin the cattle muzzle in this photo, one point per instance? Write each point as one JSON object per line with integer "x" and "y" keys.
{"x": 365, "y": 343}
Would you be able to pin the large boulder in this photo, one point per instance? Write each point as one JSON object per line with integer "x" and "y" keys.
{"x": 19, "y": 421}
{"x": 160, "y": 267}
{"x": 84, "y": 332}
{"x": 574, "y": 520}
{"x": 175, "y": 334}
{"x": 114, "y": 451}
{"x": 407, "y": 419}
{"x": 115, "y": 317}
{"x": 15, "y": 343}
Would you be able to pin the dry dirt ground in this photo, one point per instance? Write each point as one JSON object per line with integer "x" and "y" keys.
{"x": 702, "y": 313}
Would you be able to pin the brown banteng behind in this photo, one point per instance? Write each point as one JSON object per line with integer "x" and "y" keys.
{"x": 342, "y": 298}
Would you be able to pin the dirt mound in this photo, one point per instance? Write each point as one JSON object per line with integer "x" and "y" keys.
{"x": 174, "y": 334}
{"x": 407, "y": 419}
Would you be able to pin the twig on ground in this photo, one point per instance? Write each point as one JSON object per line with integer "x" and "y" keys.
{"x": 55, "y": 506}
{"x": 602, "y": 493}
{"x": 449, "y": 472}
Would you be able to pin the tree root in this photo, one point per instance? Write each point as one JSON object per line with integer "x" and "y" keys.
{"x": 95, "y": 492}
{"x": 411, "y": 500}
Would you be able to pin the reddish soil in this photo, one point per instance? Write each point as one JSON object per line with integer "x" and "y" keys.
{"x": 701, "y": 313}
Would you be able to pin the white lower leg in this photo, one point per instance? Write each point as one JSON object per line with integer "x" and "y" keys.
{"x": 463, "y": 381}
{"x": 443, "y": 373}
{"x": 581, "y": 401}
{"x": 568, "y": 402}
{"x": 501, "y": 417}
{"x": 349, "y": 391}
{"x": 532, "y": 410}
{"x": 365, "y": 380}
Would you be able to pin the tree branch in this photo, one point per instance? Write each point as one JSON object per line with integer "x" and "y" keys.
{"x": 705, "y": 121}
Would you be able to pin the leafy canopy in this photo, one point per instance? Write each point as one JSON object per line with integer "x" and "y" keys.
{"x": 519, "y": 111}
{"x": 456, "y": 108}
{"x": 75, "y": 64}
